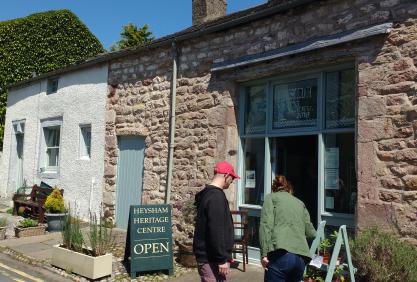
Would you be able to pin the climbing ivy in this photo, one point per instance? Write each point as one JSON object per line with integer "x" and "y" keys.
{"x": 38, "y": 44}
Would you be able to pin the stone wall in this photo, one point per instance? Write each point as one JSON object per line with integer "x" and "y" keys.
{"x": 206, "y": 131}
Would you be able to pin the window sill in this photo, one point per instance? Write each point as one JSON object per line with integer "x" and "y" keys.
{"x": 48, "y": 174}
{"x": 85, "y": 159}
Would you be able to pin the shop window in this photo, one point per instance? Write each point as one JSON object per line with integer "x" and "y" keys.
{"x": 255, "y": 114}
{"x": 339, "y": 173}
{"x": 340, "y": 99}
{"x": 295, "y": 104}
{"x": 85, "y": 141}
{"x": 254, "y": 171}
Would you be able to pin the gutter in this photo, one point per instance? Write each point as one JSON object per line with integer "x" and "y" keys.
{"x": 172, "y": 122}
{"x": 190, "y": 33}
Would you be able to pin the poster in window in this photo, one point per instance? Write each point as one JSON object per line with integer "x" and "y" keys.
{"x": 331, "y": 178}
{"x": 256, "y": 110}
{"x": 250, "y": 180}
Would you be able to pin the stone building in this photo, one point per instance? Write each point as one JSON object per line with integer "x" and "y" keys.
{"x": 323, "y": 92}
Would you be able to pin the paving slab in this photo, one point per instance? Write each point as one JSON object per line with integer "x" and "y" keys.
{"x": 253, "y": 273}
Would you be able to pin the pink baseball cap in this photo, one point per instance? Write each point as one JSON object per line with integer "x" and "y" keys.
{"x": 225, "y": 168}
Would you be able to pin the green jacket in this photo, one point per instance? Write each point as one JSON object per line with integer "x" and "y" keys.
{"x": 285, "y": 224}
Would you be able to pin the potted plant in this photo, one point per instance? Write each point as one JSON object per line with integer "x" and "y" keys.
{"x": 333, "y": 238}
{"x": 29, "y": 227}
{"x": 324, "y": 247}
{"x": 55, "y": 210}
{"x": 3, "y": 224}
{"x": 92, "y": 261}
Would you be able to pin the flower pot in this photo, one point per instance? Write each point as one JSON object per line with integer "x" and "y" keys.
{"x": 29, "y": 231}
{"x": 326, "y": 256}
{"x": 2, "y": 233}
{"x": 186, "y": 256}
{"x": 55, "y": 221}
{"x": 82, "y": 264}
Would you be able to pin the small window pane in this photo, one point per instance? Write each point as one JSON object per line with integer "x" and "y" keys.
{"x": 53, "y": 154}
{"x": 340, "y": 99}
{"x": 295, "y": 104}
{"x": 52, "y": 86}
{"x": 254, "y": 171}
{"x": 85, "y": 142}
{"x": 339, "y": 173}
{"x": 255, "y": 113}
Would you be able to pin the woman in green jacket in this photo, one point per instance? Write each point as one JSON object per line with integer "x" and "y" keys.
{"x": 284, "y": 229}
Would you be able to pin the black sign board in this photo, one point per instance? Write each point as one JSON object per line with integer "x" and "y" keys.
{"x": 149, "y": 239}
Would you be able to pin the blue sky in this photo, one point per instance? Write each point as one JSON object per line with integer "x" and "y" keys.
{"x": 105, "y": 18}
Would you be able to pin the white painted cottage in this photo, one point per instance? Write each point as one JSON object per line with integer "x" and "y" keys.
{"x": 55, "y": 133}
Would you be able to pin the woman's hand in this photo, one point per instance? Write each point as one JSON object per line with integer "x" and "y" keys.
{"x": 265, "y": 262}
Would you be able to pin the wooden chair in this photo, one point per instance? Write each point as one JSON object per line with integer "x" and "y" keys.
{"x": 241, "y": 238}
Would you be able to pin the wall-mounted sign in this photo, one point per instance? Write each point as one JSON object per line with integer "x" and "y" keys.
{"x": 149, "y": 239}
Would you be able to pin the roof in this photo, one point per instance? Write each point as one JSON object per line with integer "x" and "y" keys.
{"x": 195, "y": 31}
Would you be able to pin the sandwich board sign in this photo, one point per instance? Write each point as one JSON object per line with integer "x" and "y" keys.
{"x": 149, "y": 239}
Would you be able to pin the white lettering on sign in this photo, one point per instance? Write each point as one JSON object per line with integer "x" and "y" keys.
{"x": 150, "y": 210}
{"x": 151, "y": 248}
{"x": 152, "y": 229}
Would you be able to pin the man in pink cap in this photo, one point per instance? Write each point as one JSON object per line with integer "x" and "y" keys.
{"x": 213, "y": 236}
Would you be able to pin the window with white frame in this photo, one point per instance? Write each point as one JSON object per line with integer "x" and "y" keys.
{"x": 85, "y": 141}
{"x": 52, "y": 135}
{"x": 49, "y": 156}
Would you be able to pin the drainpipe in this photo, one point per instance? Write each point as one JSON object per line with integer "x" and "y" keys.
{"x": 172, "y": 122}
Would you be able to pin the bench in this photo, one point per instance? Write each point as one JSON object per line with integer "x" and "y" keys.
{"x": 33, "y": 202}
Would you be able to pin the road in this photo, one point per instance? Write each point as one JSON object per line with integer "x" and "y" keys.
{"x": 15, "y": 271}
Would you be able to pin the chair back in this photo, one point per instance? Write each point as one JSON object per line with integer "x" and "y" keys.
{"x": 240, "y": 224}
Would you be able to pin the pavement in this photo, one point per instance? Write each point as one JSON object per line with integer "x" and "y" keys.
{"x": 37, "y": 250}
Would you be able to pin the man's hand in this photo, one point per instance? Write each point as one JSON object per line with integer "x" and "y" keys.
{"x": 224, "y": 269}
{"x": 265, "y": 262}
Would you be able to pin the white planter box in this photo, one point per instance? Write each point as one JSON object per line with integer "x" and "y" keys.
{"x": 87, "y": 266}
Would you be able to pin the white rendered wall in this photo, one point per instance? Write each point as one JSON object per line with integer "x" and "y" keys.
{"x": 80, "y": 99}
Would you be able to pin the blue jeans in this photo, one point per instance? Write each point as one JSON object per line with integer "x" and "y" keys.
{"x": 284, "y": 267}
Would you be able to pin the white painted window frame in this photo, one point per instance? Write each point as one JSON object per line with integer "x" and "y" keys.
{"x": 45, "y": 171}
{"x": 84, "y": 148}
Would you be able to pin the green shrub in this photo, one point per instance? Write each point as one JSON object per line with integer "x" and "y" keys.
{"x": 9, "y": 211}
{"x": 72, "y": 237}
{"x": 27, "y": 222}
{"x": 55, "y": 202}
{"x": 100, "y": 237}
{"x": 381, "y": 256}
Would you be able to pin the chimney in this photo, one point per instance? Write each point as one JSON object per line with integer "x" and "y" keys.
{"x": 208, "y": 10}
